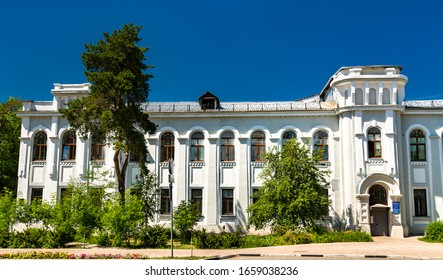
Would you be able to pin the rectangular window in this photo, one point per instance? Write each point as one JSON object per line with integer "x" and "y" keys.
{"x": 227, "y": 202}
{"x": 97, "y": 151}
{"x": 36, "y": 194}
{"x": 197, "y": 198}
{"x": 420, "y": 204}
{"x": 165, "y": 204}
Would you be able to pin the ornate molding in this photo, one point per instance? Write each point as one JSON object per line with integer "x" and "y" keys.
{"x": 38, "y": 163}
{"x": 419, "y": 163}
{"x": 257, "y": 164}
{"x": 196, "y": 163}
{"x": 228, "y": 163}
{"x": 68, "y": 163}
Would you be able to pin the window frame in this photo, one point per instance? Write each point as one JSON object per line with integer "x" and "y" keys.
{"x": 98, "y": 149}
{"x": 167, "y": 147}
{"x": 415, "y": 155}
{"x": 227, "y": 202}
{"x": 197, "y": 147}
{"x": 198, "y": 200}
{"x": 34, "y": 196}
{"x": 165, "y": 202}
{"x": 69, "y": 147}
{"x": 227, "y": 146}
{"x": 320, "y": 144}
{"x": 372, "y": 142}
{"x": 258, "y": 146}
{"x": 39, "y": 150}
{"x": 420, "y": 203}
{"x": 285, "y": 138}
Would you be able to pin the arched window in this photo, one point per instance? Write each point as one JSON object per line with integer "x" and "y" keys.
{"x": 386, "y": 98}
{"x": 374, "y": 143}
{"x": 97, "y": 150}
{"x": 227, "y": 149}
{"x": 167, "y": 146}
{"x": 377, "y": 195}
{"x": 40, "y": 146}
{"x": 417, "y": 145}
{"x": 258, "y": 146}
{"x": 372, "y": 96}
{"x": 69, "y": 145}
{"x": 321, "y": 144}
{"x": 197, "y": 146}
{"x": 359, "y": 97}
{"x": 287, "y": 135}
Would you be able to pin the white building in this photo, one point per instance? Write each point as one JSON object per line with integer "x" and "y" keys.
{"x": 384, "y": 153}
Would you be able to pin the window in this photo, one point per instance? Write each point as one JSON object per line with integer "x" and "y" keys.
{"x": 197, "y": 198}
{"x": 374, "y": 143}
{"x": 321, "y": 144}
{"x": 372, "y": 96}
{"x": 39, "y": 149}
{"x": 420, "y": 205}
{"x": 359, "y": 97}
{"x": 418, "y": 145}
{"x": 386, "y": 98}
{"x": 287, "y": 135}
{"x": 167, "y": 146}
{"x": 377, "y": 195}
{"x": 258, "y": 146}
{"x": 197, "y": 146}
{"x": 227, "y": 202}
{"x": 133, "y": 157}
{"x": 227, "y": 146}
{"x": 97, "y": 150}
{"x": 36, "y": 194}
{"x": 165, "y": 205}
{"x": 69, "y": 145}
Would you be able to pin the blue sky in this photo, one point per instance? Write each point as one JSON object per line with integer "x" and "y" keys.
{"x": 273, "y": 50}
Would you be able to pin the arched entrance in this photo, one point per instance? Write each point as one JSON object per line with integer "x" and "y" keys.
{"x": 379, "y": 211}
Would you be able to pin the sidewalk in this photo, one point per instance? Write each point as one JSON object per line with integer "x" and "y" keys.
{"x": 382, "y": 247}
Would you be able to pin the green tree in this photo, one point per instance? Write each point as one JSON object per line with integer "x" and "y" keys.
{"x": 186, "y": 216}
{"x": 9, "y": 143}
{"x": 112, "y": 112}
{"x": 147, "y": 190}
{"x": 293, "y": 191}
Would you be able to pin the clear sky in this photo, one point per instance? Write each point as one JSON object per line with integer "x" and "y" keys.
{"x": 249, "y": 50}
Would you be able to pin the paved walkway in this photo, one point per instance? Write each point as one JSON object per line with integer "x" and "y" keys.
{"x": 382, "y": 247}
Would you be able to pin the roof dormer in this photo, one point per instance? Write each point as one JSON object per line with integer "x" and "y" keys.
{"x": 208, "y": 101}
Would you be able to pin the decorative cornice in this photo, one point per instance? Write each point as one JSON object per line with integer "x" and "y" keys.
{"x": 38, "y": 162}
{"x": 228, "y": 163}
{"x": 68, "y": 162}
{"x": 196, "y": 163}
{"x": 419, "y": 163}
{"x": 257, "y": 164}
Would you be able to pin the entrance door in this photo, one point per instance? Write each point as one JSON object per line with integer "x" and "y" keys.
{"x": 379, "y": 211}
{"x": 379, "y": 220}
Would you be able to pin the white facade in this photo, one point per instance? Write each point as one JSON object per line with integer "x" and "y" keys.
{"x": 382, "y": 152}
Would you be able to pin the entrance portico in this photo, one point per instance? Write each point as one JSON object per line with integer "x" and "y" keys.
{"x": 375, "y": 196}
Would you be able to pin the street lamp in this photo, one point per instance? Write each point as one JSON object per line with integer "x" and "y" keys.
{"x": 171, "y": 209}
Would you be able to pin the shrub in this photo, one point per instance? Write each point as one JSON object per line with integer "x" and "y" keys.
{"x": 156, "y": 236}
{"x": 254, "y": 241}
{"x": 434, "y": 231}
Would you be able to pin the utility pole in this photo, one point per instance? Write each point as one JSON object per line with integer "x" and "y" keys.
{"x": 171, "y": 209}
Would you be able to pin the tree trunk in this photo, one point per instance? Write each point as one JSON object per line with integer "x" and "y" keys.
{"x": 120, "y": 172}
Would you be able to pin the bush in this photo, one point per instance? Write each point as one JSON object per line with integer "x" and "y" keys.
{"x": 154, "y": 237}
{"x": 254, "y": 241}
{"x": 434, "y": 232}
{"x": 212, "y": 240}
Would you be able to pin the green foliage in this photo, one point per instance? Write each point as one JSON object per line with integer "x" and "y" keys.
{"x": 10, "y": 125}
{"x": 293, "y": 191}
{"x": 211, "y": 240}
{"x": 121, "y": 220}
{"x": 146, "y": 189}
{"x": 155, "y": 236}
{"x": 112, "y": 111}
{"x": 186, "y": 216}
{"x": 434, "y": 232}
{"x": 343, "y": 236}
{"x": 254, "y": 241}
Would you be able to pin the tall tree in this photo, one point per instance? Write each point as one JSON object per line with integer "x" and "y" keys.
{"x": 293, "y": 191}
{"x": 111, "y": 112}
{"x": 9, "y": 143}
